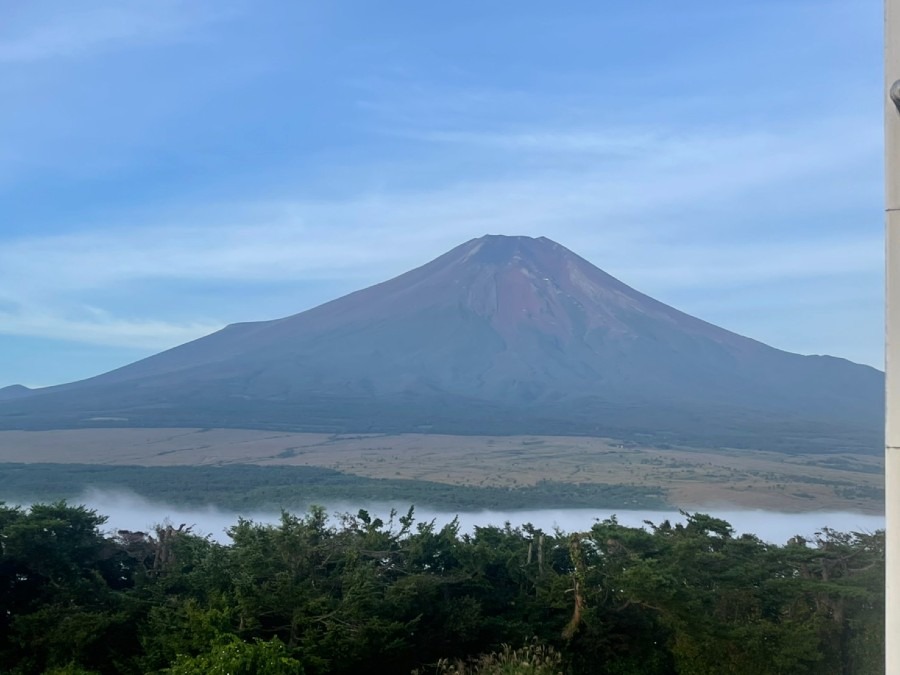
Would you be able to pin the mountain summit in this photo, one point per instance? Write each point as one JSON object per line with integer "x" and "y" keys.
{"x": 499, "y": 335}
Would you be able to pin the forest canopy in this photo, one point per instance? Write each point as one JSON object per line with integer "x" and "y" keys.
{"x": 351, "y": 593}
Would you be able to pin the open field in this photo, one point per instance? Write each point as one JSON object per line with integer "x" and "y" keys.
{"x": 690, "y": 478}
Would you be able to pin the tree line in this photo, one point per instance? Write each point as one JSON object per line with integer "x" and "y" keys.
{"x": 314, "y": 594}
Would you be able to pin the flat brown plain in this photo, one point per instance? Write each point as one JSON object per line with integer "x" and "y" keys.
{"x": 693, "y": 478}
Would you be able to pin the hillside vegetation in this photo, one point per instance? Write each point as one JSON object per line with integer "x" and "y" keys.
{"x": 312, "y": 595}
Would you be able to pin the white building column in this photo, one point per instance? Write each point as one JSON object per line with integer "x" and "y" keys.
{"x": 892, "y": 330}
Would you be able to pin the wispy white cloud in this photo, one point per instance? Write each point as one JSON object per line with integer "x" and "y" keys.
{"x": 52, "y": 30}
{"x": 624, "y": 142}
{"x": 640, "y": 207}
{"x": 374, "y": 236}
{"x": 664, "y": 209}
{"x": 724, "y": 152}
{"x": 95, "y": 326}
{"x": 740, "y": 264}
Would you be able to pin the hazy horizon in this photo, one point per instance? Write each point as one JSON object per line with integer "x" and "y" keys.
{"x": 132, "y": 512}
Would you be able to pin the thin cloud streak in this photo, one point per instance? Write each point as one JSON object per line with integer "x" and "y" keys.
{"x": 57, "y": 31}
{"x": 636, "y": 218}
{"x": 702, "y": 266}
{"x": 644, "y": 210}
{"x": 291, "y": 253}
{"x": 97, "y": 327}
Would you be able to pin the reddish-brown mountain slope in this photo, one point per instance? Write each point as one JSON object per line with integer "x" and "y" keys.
{"x": 499, "y": 335}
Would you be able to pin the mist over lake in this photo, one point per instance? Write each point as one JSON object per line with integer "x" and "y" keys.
{"x": 131, "y": 512}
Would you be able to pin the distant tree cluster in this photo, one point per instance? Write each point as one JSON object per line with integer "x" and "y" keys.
{"x": 354, "y": 594}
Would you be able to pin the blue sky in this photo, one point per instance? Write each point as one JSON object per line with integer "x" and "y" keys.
{"x": 169, "y": 167}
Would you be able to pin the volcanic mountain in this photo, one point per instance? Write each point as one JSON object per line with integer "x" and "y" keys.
{"x": 501, "y": 335}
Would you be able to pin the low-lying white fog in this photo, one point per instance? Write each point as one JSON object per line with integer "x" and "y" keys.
{"x": 130, "y": 512}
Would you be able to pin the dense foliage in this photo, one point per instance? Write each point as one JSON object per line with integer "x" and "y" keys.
{"x": 312, "y": 595}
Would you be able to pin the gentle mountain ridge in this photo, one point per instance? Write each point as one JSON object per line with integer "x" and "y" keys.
{"x": 14, "y": 391}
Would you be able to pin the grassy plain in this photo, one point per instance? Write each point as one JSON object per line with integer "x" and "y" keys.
{"x": 688, "y": 477}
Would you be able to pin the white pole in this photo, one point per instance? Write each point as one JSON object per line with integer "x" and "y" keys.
{"x": 892, "y": 330}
